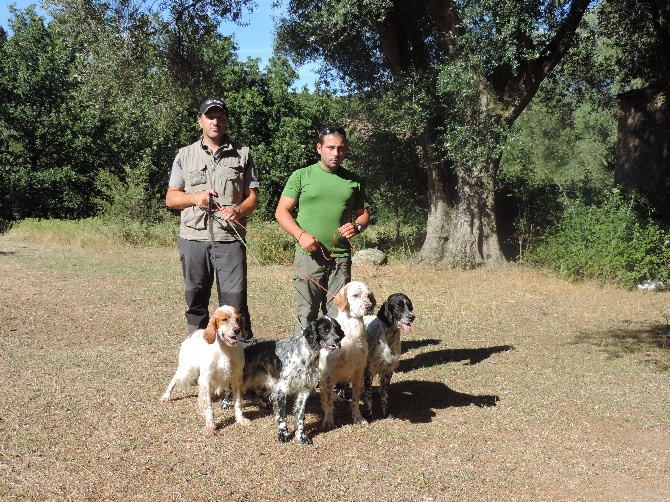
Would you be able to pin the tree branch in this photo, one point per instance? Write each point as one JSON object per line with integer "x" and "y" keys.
{"x": 521, "y": 89}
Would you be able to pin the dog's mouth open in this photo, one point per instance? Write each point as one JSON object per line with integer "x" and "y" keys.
{"x": 330, "y": 346}
{"x": 405, "y": 327}
{"x": 230, "y": 340}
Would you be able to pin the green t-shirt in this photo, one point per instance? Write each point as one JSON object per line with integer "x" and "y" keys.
{"x": 326, "y": 201}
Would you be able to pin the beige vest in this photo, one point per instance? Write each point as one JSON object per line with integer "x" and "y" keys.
{"x": 225, "y": 175}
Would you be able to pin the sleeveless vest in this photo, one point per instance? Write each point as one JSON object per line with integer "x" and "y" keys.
{"x": 201, "y": 171}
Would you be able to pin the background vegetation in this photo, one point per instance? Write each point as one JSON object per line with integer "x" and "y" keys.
{"x": 98, "y": 98}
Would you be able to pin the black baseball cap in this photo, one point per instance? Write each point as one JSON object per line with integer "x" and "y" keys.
{"x": 211, "y": 103}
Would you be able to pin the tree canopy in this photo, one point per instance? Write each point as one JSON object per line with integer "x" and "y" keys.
{"x": 97, "y": 101}
{"x": 461, "y": 73}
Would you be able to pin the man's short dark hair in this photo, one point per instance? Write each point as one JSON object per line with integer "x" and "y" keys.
{"x": 335, "y": 130}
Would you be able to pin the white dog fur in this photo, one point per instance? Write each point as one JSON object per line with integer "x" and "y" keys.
{"x": 347, "y": 364}
{"x": 215, "y": 359}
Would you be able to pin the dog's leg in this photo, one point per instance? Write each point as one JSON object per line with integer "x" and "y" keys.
{"x": 300, "y": 404}
{"x": 205, "y": 403}
{"x": 384, "y": 384}
{"x": 326, "y": 390}
{"x": 168, "y": 392}
{"x": 239, "y": 416}
{"x": 356, "y": 392}
{"x": 279, "y": 406}
{"x": 367, "y": 395}
{"x": 227, "y": 400}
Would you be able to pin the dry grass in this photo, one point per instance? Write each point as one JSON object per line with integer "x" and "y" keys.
{"x": 513, "y": 386}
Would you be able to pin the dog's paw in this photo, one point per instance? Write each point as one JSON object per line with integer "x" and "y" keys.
{"x": 244, "y": 422}
{"x": 208, "y": 430}
{"x": 303, "y": 439}
{"x": 165, "y": 398}
{"x": 282, "y": 436}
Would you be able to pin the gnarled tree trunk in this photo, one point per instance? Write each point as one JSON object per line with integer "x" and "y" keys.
{"x": 462, "y": 233}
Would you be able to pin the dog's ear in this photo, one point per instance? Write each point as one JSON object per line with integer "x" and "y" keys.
{"x": 311, "y": 334}
{"x": 386, "y": 313}
{"x": 210, "y": 330}
{"x": 373, "y": 299}
{"x": 340, "y": 299}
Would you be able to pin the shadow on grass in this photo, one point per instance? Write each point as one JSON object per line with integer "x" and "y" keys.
{"x": 436, "y": 357}
{"x": 631, "y": 340}
{"x": 412, "y": 400}
{"x": 407, "y": 345}
{"x": 416, "y": 400}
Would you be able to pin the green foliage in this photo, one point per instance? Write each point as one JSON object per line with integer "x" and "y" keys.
{"x": 608, "y": 243}
{"x": 397, "y": 240}
{"x": 40, "y": 175}
{"x": 638, "y": 33}
{"x": 267, "y": 243}
{"x": 128, "y": 200}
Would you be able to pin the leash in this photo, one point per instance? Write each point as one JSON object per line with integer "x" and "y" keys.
{"x": 237, "y": 222}
{"x": 284, "y": 258}
{"x": 353, "y": 249}
{"x": 210, "y": 203}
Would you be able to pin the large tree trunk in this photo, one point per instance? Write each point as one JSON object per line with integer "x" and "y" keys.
{"x": 464, "y": 234}
{"x": 461, "y": 229}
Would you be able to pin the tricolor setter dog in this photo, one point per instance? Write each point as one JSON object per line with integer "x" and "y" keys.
{"x": 354, "y": 301}
{"x": 291, "y": 366}
{"x": 215, "y": 359}
{"x": 395, "y": 316}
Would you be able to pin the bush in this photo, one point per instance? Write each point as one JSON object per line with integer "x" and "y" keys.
{"x": 267, "y": 243}
{"x": 395, "y": 240}
{"x": 608, "y": 243}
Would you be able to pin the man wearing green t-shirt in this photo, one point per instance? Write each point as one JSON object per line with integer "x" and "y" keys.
{"x": 331, "y": 211}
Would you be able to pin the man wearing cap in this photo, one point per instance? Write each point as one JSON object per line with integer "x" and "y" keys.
{"x": 214, "y": 185}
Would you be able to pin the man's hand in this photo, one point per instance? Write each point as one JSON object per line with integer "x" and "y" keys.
{"x": 348, "y": 230}
{"x": 201, "y": 199}
{"x": 229, "y": 213}
{"x": 308, "y": 242}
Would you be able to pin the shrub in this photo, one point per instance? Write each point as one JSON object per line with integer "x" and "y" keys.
{"x": 267, "y": 243}
{"x": 609, "y": 243}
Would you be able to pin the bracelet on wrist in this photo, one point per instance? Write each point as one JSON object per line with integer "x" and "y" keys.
{"x": 301, "y": 234}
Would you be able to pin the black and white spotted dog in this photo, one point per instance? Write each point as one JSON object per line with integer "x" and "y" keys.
{"x": 383, "y": 332}
{"x": 291, "y": 366}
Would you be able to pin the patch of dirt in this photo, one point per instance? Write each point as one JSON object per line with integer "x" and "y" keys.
{"x": 514, "y": 385}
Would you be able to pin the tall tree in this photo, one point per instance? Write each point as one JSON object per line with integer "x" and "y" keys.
{"x": 41, "y": 174}
{"x": 461, "y": 73}
{"x": 639, "y": 32}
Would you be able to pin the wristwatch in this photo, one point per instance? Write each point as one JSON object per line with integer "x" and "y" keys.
{"x": 358, "y": 227}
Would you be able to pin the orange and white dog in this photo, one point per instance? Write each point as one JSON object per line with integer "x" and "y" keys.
{"x": 215, "y": 359}
{"x": 347, "y": 364}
